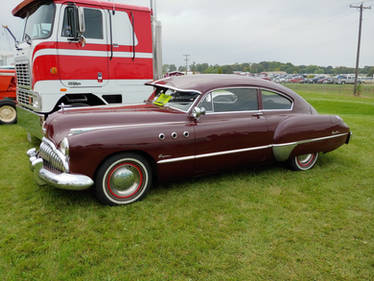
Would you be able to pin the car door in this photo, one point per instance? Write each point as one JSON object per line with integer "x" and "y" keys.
{"x": 275, "y": 107}
{"x": 233, "y": 131}
{"x": 83, "y": 65}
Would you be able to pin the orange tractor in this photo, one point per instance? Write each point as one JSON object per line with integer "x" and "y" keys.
{"x": 8, "y": 113}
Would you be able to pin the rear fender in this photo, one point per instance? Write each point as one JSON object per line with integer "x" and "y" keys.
{"x": 304, "y": 134}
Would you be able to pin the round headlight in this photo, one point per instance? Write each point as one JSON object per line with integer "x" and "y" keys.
{"x": 64, "y": 146}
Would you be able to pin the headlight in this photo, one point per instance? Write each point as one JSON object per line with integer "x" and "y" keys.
{"x": 37, "y": 101}
{"x": 64, "y": 146}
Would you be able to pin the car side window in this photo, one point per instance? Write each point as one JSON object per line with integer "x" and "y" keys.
{"x": 274, "y": 101}
{"x": 234, "y": 99}
{"x": 207, "y": 103}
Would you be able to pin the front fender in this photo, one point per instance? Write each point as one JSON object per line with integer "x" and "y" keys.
{"x": 89, "y": 149}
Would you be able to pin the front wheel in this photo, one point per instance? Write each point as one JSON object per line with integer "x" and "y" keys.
{"x": 303, "y": 162}
{"x": 123, "y": 179}
{"x": 8, "y": 113}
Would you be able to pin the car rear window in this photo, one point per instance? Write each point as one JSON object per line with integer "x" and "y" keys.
{"x": 274, "y": 101}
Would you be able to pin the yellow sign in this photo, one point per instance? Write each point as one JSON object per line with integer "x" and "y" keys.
{"x": 162, "y": 100}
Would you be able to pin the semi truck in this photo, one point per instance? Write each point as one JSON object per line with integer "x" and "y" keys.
{"x": 83, "y": 53}
{"x": 8, "y": 114}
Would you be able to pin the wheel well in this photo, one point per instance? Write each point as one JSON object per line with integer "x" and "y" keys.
{"x": 148, "y": 157}
{"x": 8, "y": 101}
{"x": 70, "y": 99}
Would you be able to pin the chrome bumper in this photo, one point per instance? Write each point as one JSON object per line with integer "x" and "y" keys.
{"x": 62, "y": 181}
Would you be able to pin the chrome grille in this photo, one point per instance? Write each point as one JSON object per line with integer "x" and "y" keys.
{"x": 52, "y": 159}
{"x": 24, "y": 97}
{"x": 23, "y": 75}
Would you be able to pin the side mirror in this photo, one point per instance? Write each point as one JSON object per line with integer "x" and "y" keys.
{"x": 198, "y": 112}
{"x": 81, "y": 22}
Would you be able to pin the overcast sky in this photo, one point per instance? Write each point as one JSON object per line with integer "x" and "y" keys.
{"x": 321, "y": 32}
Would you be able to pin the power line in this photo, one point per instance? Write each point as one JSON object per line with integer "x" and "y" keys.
{"x": 361, "y": 7}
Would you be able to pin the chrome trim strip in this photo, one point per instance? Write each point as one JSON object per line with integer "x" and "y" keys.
{"x": 173, "y": 88}
{"x": 104, "y": 106}
{"x": 77, "y": 131}
{"x": 213, "y": 154}
{"x": 7, "y": 74}
{"x": 281, "y": 150}
{"x": 310, "y": 140}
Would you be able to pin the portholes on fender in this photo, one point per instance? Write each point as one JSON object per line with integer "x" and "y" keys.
{"x": 161, "y": 136}
{"x": 174, "y": 135}
{"x": 186, "y": 134}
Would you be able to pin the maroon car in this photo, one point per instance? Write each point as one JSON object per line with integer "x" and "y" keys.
{"x": 190, "y": 125}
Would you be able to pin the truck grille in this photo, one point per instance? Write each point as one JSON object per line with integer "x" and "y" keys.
{"x": 24, "y": 97}
{"x": 52, "y": 159}
{"x": 23, "y": 75}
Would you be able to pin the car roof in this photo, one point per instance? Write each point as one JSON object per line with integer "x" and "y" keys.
{"x": 203, "y": 83}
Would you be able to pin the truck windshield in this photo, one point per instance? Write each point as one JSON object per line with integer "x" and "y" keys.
{"x": 39, "y": 22}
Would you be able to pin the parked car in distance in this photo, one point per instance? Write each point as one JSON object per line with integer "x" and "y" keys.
{"x": 345, "y": 79}
{"x": 190, "y": 126}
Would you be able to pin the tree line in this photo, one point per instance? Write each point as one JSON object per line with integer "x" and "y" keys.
{"x": 267, "y": 66}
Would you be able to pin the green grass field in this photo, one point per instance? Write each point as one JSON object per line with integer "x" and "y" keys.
{"x": 265, "y": 223}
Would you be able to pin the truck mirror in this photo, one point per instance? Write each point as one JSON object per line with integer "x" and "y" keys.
{"x": 81, "y": 22}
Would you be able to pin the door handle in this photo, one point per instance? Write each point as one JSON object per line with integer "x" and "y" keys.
{"x": 258, "y": 114}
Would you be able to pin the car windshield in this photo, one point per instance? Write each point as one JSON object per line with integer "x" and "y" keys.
{"x": 39, "y": 22}
{"x": 174, "y": 99}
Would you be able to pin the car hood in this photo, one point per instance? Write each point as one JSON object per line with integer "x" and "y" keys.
{"x": 80, "y": 120}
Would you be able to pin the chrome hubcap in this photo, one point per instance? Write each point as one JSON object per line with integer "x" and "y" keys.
{"x": 7, "y": 113}
{"x": 125, "y": 180}
{"x": 304, "y": 159}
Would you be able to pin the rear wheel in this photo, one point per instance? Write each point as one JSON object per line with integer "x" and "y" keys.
{"x": 8, "y": 113}
{"x": 123, "y": 179}
{"x": 303, "y": 162}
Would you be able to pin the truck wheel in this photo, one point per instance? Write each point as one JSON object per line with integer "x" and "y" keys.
{"x": 303, "y": 162}
{"x": 123, "y": 179}
{"x": 8, "y": 113}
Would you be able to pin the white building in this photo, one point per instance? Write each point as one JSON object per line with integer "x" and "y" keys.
{"x": 6, "y": 58}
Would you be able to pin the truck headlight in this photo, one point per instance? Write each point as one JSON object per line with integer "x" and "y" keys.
{"x": 37, "y": 101}
{"x": 64, "y": 147}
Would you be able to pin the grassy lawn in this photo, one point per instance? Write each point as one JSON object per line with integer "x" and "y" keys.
{"x": 265, "y": 223}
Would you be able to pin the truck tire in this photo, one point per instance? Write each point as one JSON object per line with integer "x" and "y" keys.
{"x": 8, "y": 112}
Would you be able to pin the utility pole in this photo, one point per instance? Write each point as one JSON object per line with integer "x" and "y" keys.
{"x": 361, "y": 7}
{"x": 186, "y": 57}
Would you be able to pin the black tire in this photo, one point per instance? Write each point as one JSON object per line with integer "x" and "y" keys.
{"x": 8, "y": 112}
{"x": 303, "y": 162}
{"x": 136, "y": 180}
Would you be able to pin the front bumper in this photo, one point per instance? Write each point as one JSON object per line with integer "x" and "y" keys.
{"x": 62, "y": 181}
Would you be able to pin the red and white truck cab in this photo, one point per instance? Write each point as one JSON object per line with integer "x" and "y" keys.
{"x": 83, "y": 53}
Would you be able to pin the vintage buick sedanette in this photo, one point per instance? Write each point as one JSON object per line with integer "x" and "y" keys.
{"x": 190, "y": 126}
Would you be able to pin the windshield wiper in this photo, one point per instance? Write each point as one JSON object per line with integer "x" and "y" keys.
{"x": 12, "y": 35}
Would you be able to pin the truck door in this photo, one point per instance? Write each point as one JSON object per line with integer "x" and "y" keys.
{"x": 83, "y": 65}
{"x": 131, "y": 63}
